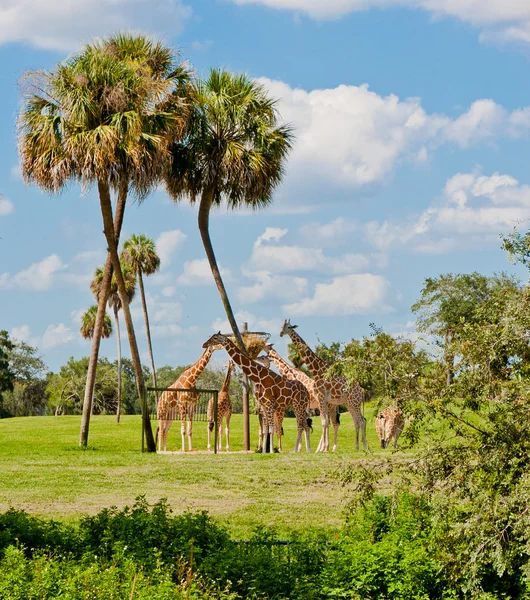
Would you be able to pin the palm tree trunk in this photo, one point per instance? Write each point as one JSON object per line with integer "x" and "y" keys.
{"x": 118, "y": 338}
{"x": 98, "y": 327}
{"x": 204, "y": 222}
{"x": 106, "y": 213}
{"x": 147, "y": 330}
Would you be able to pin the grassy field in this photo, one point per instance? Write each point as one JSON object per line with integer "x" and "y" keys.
{"x": 43, "y": 471}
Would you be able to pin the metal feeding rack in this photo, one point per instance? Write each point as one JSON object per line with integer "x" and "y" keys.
{"x": 254, "y": 341}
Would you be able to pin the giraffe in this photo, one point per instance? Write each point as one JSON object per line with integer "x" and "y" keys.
{"x": 389, "y": 425}
{"x": 335, "y": 391}
{"x": 172, "y": 402}
{"x": 284, "y": 368}
{"x": 224, "y": 411}
{"x": 275, "y": 392}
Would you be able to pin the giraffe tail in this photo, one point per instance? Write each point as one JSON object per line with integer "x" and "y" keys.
{"x": 211, "y": 425}
{"x": 310, "y": 423}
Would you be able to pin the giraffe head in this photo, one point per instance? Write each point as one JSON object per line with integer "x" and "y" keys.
{"x": 264, "y": 360}
{"x": 287, "y": 327}
{"x": 216, "y": 340}
{"x": 267, "y": 348}
{"x": 231, "y": 365}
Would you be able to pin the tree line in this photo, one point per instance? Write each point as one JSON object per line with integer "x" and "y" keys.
{"x": 28, "y": 388}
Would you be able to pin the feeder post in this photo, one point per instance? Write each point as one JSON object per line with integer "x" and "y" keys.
{"x": 246, "y": 411}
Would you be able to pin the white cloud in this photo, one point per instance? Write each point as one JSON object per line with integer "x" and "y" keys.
{"x": 56, "y": 335}
{"x": 349, "y": 295}
{"x": 328, "y": 234}
{"x": 198, "y": 272}
{"x": 271, "y": 234}
{"x": 166, "y": 244}
{"x": 268, "y": 258}
{"x": 507, "y": 19}
{"x": 62, "y": 25}
{"x": 254, "y": 323}
{"x": 352, "y": 137}
{"x": 474, "y": 209}
{"x": 22, "y": 333}
{"x": 272, "y": 286}
{"x": 6, "y": 206}
{"x": 483, "y": 119}
{"x": 38, "y": 276}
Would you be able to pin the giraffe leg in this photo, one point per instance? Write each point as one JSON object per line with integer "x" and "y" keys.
{"x": 323, "y": 444}
{"x": 209, "y": 447}
{"x": 190, "y": 433}
{"x": 335, "y": 419}
{"x": 220, "y": 436}
{"x": 278, "y": 422}
{"x": 227, "y": 432}
{"x": 183, "y": 433}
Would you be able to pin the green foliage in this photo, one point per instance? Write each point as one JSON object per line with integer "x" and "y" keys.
{"x": 66, "y": 389}
{"x": 28, "y": 395}
{"x": 6, "y": 374}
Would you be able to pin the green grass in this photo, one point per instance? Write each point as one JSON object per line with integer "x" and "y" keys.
{"x": 43, "y": 471}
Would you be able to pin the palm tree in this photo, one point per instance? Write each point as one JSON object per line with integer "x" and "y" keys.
{"x": 105, "y": 116}
{"x": 115, "y": 304}
{"x": 139, "y": 252}
{"x": 234, "y": 150}
{"x": 88, "y": 324}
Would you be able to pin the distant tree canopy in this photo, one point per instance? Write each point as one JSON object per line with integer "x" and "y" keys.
{"x": 27, "y": 395}
{"x": 7, "y": 376}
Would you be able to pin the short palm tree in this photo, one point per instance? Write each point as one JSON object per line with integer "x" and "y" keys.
{"x": 234, "y": 150}
{"x": 139, "y": 252}
{"x": 104, "y": 116}
{"x": 88, "y": 324}
{"x": 115, "y": 304}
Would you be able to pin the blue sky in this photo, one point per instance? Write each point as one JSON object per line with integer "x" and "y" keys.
{"x": 412, "y": 120}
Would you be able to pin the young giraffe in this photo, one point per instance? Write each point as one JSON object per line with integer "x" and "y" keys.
{"x": 291, "y": 372}
{"x": 170, "y": 403}
{"x": 389, "y": 425}
{"x": 275, "y": 392}
{"x": 335, "y": 391}
{"x": 224, "y": 411}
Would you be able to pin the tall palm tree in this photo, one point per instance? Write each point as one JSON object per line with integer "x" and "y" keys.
{"x": 234, "y": 150}
{"x": 139, "y": 252}
{"x": 88, "y": 324}
{"x": 105, "y": 117}
{"x": 115, "y": 304}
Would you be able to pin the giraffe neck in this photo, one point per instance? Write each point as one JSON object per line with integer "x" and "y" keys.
{"x": 226, "y": 383}
{"x": 254, "y": 370}
{"x": 191, "y": 374}
{"x": 286, "y": 369}
{"x": 313, "y": 362}
{"x": 280, "y": 363}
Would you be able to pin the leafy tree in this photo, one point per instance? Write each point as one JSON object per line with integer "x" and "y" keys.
{"x": 234, "y": 150}
{"x": 66, "y": 389}
{"x": 6, "y": 374}
{"x": 28, "y": 396}
{"x": 450, "y": 301}
{"x": 115, "y": 304}
{"x": 105, "y": 116}
{"x": 140, "y": 253}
